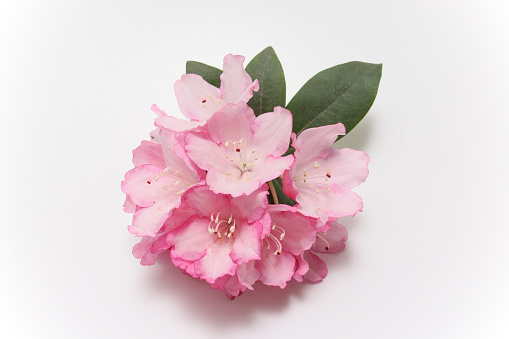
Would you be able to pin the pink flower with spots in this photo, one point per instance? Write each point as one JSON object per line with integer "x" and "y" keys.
{"x": 240, "y": 152}
{"x": 322, "y": 177}
{"x": 224, "y": 233}
{"x": 198, "y": 100}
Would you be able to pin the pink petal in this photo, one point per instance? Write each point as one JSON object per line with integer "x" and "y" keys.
{"x": 192, "y": 239}
{"x": 197, "y": 99}
{"x": 272, "y": 132}
{"x": 178, "y": 125}
{"x": 276, "y": 270}
{"x": 248, "y": 274}
{"x": 252, "y": 206}
{"x": 247, "y": 242}
{"x": 129, "y": 205}
{"x": 317, "y": 268}
{"x": 232, "y": 123}
{"x": 316, "y": 142}
{"x": 348, "y": 168}
{"x": 217, "y": 261}
{"x": 302, "y": 268}
{"x": 324, "y": 204}
{"x": 333, "y": 240}
{"x": 149, "y": 220}
{"x": 205, "y": 202}
{"x": 149, "y": 153}
{"x": 236, "y": 84}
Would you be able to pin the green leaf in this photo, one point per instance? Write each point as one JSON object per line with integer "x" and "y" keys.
{"x": 209, "y": 73}
{"x": 343, "y": 93}
{"x": 283, "y": 199}
{"x": 268, "y": 70}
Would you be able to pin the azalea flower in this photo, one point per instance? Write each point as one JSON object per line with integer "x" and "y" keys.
{"x": 321, "y": 178}
{"x": 198, "y": 100}
{"x": 156, "y": 183}
{"x": 225, "y": 232}
{"x": 240, "y": 152}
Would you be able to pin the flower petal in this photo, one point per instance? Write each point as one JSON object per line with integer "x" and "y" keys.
{"x": 276, "y": 270}
{"x": 272, "y": 132}
{"x": 348, "y": 168}
{"x": 316, "y": 142}
{"x": 192, "y": 239}
{"x": 317, "y": 268}
{"x": 333, "y": 240}
{"x": 236, "y": 84}
{"x": 197, "y": 99}
{"x": 149, "y": 153}
{"x": 149, "y": 220}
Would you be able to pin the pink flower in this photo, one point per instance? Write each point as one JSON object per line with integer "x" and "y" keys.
{"x": 241, "y": 152}
{"x": 155, "y": 185}
{"x": 198, "y": 100}
{"x": 321, "y": 178}
{"x": 225, "y": 233}
{"x": 291, "y": 234}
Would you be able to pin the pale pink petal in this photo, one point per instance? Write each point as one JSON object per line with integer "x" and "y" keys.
{"x": 158, "y": 111}
{"x": 236, "y": 84}
{"x": 148, "y": 153}
{"x": 252, "y": 206}
{"x": 302, "y": 268}
{"x": 248, "y": 274}
{"x": 191, "y": 240}
{"x": 129, "y": 205}
{"x": 232, "y": 123}
{"x": 148, "y": 220}
{"x": 177, "y": 125}
{"x": 317, "y": 268}
{"x": 276, "y": 270}
{"x": 316, "y": 142}
{"x": 331, "y": 241}
{"x": 217, "y": 261}
{"x": 247, "y": 243}
{"x": 324, "y": 204}
{"x": 347, "y": 167}
{"x": 272, "y": 132}
{"x": 205, "y": 202}
{"x": 289, "y": 187}
{"x": 197, "y": 99}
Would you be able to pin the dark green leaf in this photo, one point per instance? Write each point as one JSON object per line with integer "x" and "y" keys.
{"x": 283, "y": 199}
{"x": 268, "y": 70}
{"x": 343, "y": 93}
{"x": 209, "y": 73}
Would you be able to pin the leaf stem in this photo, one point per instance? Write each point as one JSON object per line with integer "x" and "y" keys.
{"x": 273, "y": 192}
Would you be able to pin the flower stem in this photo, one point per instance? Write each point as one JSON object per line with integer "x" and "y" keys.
{"x": 273, "y": 192}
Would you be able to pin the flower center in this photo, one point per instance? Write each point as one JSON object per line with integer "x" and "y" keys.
{"x": 211, "y": 103}
{"x": 314, "y": 177}
{"x": 221, "y": 225}
{"x": 174, "y": 182}
{"x": 276, "y": 238}
{"x": 240, "y": 155}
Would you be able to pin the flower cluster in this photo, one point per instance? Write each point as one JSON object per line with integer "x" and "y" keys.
{"x": 200, "y": 188}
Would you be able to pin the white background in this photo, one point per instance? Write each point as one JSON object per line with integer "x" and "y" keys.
{"x": 428, "y": 257}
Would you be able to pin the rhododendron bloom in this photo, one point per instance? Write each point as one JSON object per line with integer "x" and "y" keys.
{"x": 198, "y": 100}
{"x": 156, "y": 183}
{"x": 225, "y": 232}
{"x": 321, "y": 178}
{"x": 241, "y": 152}
{"x": 200, "y": 188}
